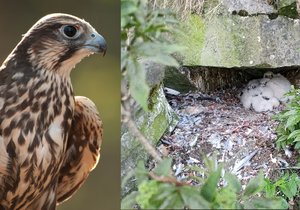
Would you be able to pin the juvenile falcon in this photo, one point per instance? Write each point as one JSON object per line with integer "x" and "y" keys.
{"x": 49, "y": 139}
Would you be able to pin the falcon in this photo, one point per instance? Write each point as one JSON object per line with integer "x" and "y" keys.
{"x": 49, "y": 139}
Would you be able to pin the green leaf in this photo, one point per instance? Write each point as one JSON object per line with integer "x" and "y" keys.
{"x": 266, "y": 203}
{"x": 297, "y": 139}
{"x": 281, "y": 138}
{"x": 292, "y": 120}
{"x": 148, "y": 190}
{"x": 172, "y": 202}
{"x": 141, "y": 173}
{"x": 294, "y": 134}
{"x": 226, "y": 199}
{"x": 289, "y": 113}
{"x": 289, "y": 189}
{"x": 209, "y": 189}
{"x": 297, "y": 145}
{"x": 128, "y": 201}
{"x": 192, "y": 198}
{"x": 128, "y": 7}
{"x": 164, "y": 59}
{"x": 164, "y": 167}
{"x": 165, "y": 189}
{"x": 233, "y": 182}
{"x": 270, "y": 188}
{"x": 137, "y": 83}
{"x": 149, "y": 49}
{"x": 254, "y": 185}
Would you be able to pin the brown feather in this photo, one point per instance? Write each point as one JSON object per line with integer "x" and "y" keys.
{"x": 83, "y": 149}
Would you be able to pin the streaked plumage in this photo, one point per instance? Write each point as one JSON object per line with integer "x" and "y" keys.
{"x": 79, "y": 159}
{"x": 49, "y": 140}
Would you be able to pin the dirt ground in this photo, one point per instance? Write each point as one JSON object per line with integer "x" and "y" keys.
{"x": 217, "y": 124}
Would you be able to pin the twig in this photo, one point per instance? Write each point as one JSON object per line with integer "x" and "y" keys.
{"x": 132, "y": 127}
{"x": 167, "y": 179}
{"x": 288, "y": 168}
{"x": 145, "y": 142}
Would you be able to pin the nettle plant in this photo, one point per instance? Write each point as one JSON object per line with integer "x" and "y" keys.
{"x": 288, "y": 130}
{"x": 287, "y": 186}
{"x": 158, "y": 189}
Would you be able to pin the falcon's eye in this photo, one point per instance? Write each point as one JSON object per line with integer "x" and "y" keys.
{"x": 69, "y": 31}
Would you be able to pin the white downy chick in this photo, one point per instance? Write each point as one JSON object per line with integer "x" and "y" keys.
{"x": 248, "y": 92}
{"x": 252, "y": 84}
{"x": 246, "y": 97}
{"x": 264, "y": 81}
{"x": 263, "y": 104}
{"x": 265, "y": 91}
{"x": 280, "y": 86}
{"x": 264, "y": 100}
{"x": 259, "y": 96}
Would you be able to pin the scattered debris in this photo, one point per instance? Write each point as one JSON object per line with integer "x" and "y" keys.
{"x": 243, "y": 162}
{"x": 218, "y": 125}
{"x": 171, "y": 91}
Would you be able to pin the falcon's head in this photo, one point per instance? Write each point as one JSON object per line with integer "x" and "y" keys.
{"x": 57, "y": 42}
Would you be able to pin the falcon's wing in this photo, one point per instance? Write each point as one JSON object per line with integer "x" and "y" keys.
{"x": 83, "y": 149}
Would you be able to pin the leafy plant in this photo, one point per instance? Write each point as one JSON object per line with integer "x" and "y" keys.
{"x": 288, "y": 186}
{"x": 160, "y": 190}
{"x": 142, "y": 37}
{"x": 288, "y": 129}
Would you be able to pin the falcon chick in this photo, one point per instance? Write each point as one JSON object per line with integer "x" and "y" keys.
{"x": 49, "y": 139}
{"x": 259, "y": 96}
{"x": 263, "y": 104}
{"x": 279, "y": 84}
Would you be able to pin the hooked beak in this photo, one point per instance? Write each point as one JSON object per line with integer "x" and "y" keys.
{"x": 96, "y": 44}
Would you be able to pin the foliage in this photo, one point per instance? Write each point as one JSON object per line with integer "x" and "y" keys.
{"x": 288, "y": 186}
{"x": 288, "y": 129}
{"x": 159, "y": 190}
{"x": 142, "y": 38}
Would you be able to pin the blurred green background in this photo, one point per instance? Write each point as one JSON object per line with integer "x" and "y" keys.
{"x": 96, "y": 77}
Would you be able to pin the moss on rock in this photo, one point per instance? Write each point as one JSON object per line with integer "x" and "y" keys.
{"x": 191, "y": 35}
{"x": 153, "y": 124}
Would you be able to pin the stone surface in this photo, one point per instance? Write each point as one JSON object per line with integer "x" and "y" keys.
{"x": 243, "y": 33}
{"x": 206, "y": 79}
{"x": 176, "y": 78}
{"x": 251, "y": 7}
{"x": 257, "y": 41}
{"x": 159, "y": 120}
{"x": 153, "y": 124}
{"x": 154, "y": 72}
{"x": 250, "y": 37}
